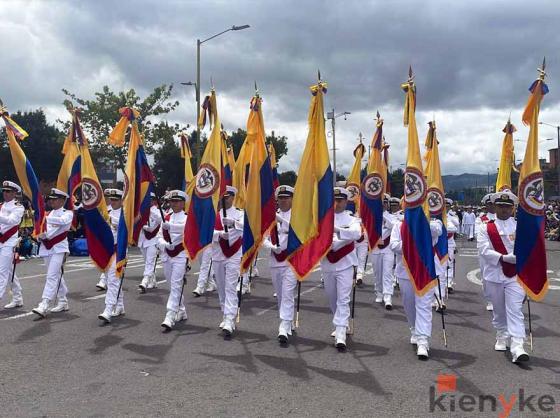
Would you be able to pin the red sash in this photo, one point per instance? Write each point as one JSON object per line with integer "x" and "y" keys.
{"x": 150, "y": 235}
{"x": 175, "y": 251}
{"x": 484, "y": 219}
{"x": 335, "y": 256}
{"x": 385, "y": 243}
{"x": 450, "y": 235}
{"x": 496, "y": 240}
{"x": 8, "y": 234}
{"x": 280, "y": 257}
{"x": 227, "y": 248}
{"x": 362, "y": 238}
{"x": 49, "y": 243}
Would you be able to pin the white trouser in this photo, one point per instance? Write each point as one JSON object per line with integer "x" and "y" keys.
{"x": 103, "y": 279}
{"x": 418, "y": 310}
{"x": 174, "y": 271}
{"x": 149, "y": 254}
{"x": 338, "y": 286}
{"x": 362, "y": 254}
{"x": 450, "y": 266}
{"x": 284, "y": 282}
{"x": 227, "y": 274}
{"x": 54, "y": 277}
{"x": 383, "y": 272}
{"x": 6, "y": 266}
{"x": 113, "y": 284}
{"x": 468, "y": 230}
{"x": 507, "y": 298}
{"x": 206, "y": 268}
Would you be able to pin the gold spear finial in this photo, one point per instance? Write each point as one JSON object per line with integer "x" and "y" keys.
{"x": 319, "y": 75}
{"x": 410, "y": 75}
{"x": 542, "y": 72}
{"x": 378, "y": 115}
{"x": 256, "y": 90}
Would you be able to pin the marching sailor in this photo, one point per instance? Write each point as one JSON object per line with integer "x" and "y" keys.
{"x": 481, "y": 222}
{"x": 382, "y": 260}
{"x": 468, "y": 224}
{"x": 54, "y": 247}
{"x": 174, "y": 258}
{"x": 283, "y": 278}
{"x": 11, "y": 213}
{"x": 114, "y": 299}
{"x": 452, "y": 229}
{"x": 147, "y": 242}
{"x": 338, "y": 266}
{"x": 418, "y": 309}
{"x": 496, "y": 241}
{"x": 206, "y": 282}
{"x": 226, "y": 257}
{"x": 102, "y": 283}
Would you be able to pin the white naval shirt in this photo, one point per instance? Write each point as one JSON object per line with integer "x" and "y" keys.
{"x": 283, "y": 229}
{"x": 153, "y": 222}
{"x": 351, "y": 230}
{"x": 11, "y": 214}
{"x": 114, "y": 218}
{"x": 491, "y": 258}
{"x": 452, "y": 228}
{"x": 58, "y": 221}
{"x": 235, "y": 232}
{"x": 176, "y": 231}
{"x": 388, "y": 222}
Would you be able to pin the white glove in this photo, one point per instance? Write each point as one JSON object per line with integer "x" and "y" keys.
{"x": 276, "y": 249}
{"x": 224, "y": 235}
{"x": 337, "y": 229}
{"x": 227, "y": 221}
{"x": 166, "y": 226}
{"x": 42, "y": 236}
{"x": 146, "y": 228}
{"x": 279, "y": 219}
{"x": 509, "y": 258}
{"x": 169, "y": 246}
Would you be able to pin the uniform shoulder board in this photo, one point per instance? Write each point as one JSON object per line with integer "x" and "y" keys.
{"x": 240, "y": 210}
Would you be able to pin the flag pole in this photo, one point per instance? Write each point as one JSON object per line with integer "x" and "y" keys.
{"x": 440, "y": 301}
{"x": 530, "y": 324}
{"x": 351, "y": 328}
{"x": 15, "y": 258}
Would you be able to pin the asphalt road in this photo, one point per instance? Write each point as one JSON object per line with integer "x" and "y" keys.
{"x": 69, "y": 365}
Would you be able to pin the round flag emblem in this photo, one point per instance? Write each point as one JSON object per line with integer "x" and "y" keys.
{"x": 91, "y": 194}
{"x": 354, "y": 190}
{"x": 372, "y": 186}
{"x": 207, "y": 181}
{"x": 531, "y": 197}
{"x": 414, "y": 187}
{"x": 436, "y": 201}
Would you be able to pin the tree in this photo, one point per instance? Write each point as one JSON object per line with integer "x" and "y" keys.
{"x": 42, "y": 147}
{"x": 100, "y": 115}
{"x": 287, "y": 178}
{"x": 236, "y": 139}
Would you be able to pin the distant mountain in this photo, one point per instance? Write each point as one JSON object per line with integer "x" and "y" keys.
{"x": 457, "y": 182}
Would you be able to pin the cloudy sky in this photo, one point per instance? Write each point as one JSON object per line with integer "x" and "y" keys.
{"x": 473, "y": 60}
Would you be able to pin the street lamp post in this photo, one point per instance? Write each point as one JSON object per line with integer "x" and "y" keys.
{"x": 197, "y": 85}
{"x": 557, "y": 150}
{"x": 332, "y": 116}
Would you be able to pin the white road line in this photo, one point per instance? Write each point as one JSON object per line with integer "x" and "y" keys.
{"x": 17, "y": 316}
{"x": 473, "y": 277}
{"x": 102, "y": 295}
{"x": 136, "y": 264}
{"x": 276, "y": 305}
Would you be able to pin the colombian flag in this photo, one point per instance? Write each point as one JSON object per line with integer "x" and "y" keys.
{"x": 138, "y": 185}
{"x": 188, "y": 183}
{"x": 354, "y": 180}
{"x": 228, "y": 161}
{"x": 69, "y": 176}
{"x": 436, "y": 194}
{"x": 24, "y": 171}
{"x": 260, "y": 206}
{"x": 241, "y": 172}
{"x": 507, "y": 159}
{"x": 99, "y": 236}
{"x": 373, "y": 188}
{"x": 208, "y": 190}
{"x": 529, "y": 245}
{"x": 312, "y": 221}
{"x": 418, "y": 252}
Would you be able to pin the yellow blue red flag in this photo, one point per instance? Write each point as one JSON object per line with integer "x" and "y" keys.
{"x": 373, "y": 188}
{"x": 507, "y": 159}
{"x": 260, "y": 206}
{"x": 312, "y": 221}
{"x": 24, "y": 170}
{"x": 418, "y": 252}
{"x": 209, "y": 187}
{"x": 69, "y": 176}
{"x": 274, "y": 164}
{"x": 436, "y": 193}
{"x": 354, "y": 179}
{"x": 530, "y": 245}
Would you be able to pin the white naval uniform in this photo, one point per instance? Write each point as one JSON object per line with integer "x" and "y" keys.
{"x": 362, "y": 249}
{"x": 418, "y": 309}
{"x": 338, "y": 276}
{"x": 148, "y": 246}
{"x": 227, "y": 269}
{"x": 469, "y": 220}
{"x": 113, "y": 282}
{"x": 382, "y": 259}
{"x": 505, "y": 293}
{"x": 11, "y": 214}
{"x": 283, "y": 278}
{"x": 174, "y": 266}
{"x": 206, "y": 271}
{"x": 57, "y": 222}
{"x": 103, "y": 276}
{"x": 452, "y": 228}
{"x": 482, "y": 262}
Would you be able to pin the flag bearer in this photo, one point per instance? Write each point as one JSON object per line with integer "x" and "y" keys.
{"x": 382, "y": 260}
{"x": 147, "y": 242}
